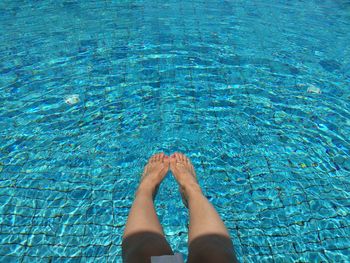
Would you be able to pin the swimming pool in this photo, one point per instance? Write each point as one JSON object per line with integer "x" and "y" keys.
{"x": 256, "y": 93}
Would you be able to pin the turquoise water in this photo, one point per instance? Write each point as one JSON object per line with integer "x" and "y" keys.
{"x": 256, "y": 93}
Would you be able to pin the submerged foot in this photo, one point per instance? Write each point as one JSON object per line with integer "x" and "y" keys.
{"x": 154, "y": 172}
{"x": 184, "y": 173}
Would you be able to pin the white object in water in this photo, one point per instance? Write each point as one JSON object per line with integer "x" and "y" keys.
{"x": 313, "y": 89}
{"x": 72, "y": 99}
{"x": 177, "y": 258}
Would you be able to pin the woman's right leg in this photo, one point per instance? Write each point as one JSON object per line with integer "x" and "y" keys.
{"x": 209, "y": 240}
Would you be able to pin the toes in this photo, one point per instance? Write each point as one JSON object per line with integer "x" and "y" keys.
{"x": 157, "y": 157}
{"x": 178, "y": 157}
{"x": 186, "y": 159}
{"x": 151, "y": 159}
{"x": 166, "y": 159}
{"x": 172, "y": 158}
{"x": 161, "y": 157}
{"x": 182, "y": 157}
{"x": 154, "y": 158}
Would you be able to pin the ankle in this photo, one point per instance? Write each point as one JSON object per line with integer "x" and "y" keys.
{"x": 146, "y": 188}
{"x": 192, "y": 189}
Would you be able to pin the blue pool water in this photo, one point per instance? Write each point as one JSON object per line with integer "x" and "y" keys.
{"x": 90, "y": 89}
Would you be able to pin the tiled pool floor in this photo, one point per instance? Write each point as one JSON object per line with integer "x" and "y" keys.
{"x": 225, "y": 82}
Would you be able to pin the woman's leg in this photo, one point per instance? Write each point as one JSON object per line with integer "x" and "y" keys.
{"x": 143, "y": 235}
{"x": 209, "y": 240}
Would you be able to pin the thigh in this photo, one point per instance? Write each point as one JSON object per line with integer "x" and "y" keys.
{"x": 140, "y": 247}
{"x": 211, "y": 248}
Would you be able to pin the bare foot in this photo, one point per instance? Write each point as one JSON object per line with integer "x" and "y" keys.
{"x": 184, "y": 173}
{"x": 154, "y": 172}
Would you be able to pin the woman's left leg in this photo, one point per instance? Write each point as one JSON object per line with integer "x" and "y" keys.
{"x": 143, "y": 235}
